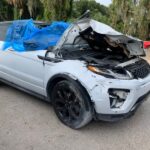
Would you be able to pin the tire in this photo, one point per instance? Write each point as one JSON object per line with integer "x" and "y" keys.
{"x": 71, "y": 104}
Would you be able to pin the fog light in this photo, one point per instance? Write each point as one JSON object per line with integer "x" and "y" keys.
{"x": 117, "y": 97}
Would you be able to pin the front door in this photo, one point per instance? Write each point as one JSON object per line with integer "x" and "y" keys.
{"x": 23, "y": 69}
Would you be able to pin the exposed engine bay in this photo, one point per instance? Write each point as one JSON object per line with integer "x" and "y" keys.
{"x": 112, "y": 55}
{"x": 115, "y": 64}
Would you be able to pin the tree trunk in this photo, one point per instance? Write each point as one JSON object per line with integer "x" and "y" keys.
{"x": 25, "y": 14}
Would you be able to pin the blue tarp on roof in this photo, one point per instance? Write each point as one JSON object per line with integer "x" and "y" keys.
{"x": 23, "y": 35}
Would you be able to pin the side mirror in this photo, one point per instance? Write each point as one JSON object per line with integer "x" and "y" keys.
{"x": 54, "y": 60}
{"x": 49, "y": 56}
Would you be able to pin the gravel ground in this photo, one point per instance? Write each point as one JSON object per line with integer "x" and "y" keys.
{"x": 27, "y": 123}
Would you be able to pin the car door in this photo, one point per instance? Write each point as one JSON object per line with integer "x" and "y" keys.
{"x": 23, "y": 69}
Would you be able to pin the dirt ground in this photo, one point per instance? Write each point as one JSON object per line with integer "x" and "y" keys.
{"x": 27, "y": 123}
{"x": 147, "y": 55}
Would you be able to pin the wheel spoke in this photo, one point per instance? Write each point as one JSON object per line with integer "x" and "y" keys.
{"x": 76, "y": 109}
{"x": 60, "y": 95}
{"x": 72, "y": 113}
{"x": 64, "y": 113}
{"x": 71, "y": 96}
{"x": 65, "y": 94}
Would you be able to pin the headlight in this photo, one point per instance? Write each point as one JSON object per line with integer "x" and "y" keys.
{"x": 117, "y": 73}
{"x": 97, "y": 70}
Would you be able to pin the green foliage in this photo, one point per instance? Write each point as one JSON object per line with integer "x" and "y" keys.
{"x": 98, "y": 12}
{"x": 127, "y": 16}
{"x": 57, "y": 9}
{"x": 131, "y": 18}
{"x": 121, "y": 13}
{"x": 142, "y": 20}
{"x": 6, "y": 12}
{"x": 35, "y": 8}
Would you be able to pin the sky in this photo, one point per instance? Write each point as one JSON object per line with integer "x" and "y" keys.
{"x": 104, "y": 2}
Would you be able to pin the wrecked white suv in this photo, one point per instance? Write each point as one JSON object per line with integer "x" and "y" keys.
{"x": 94, "y": 72}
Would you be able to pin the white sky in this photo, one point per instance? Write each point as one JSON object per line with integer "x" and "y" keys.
{"x": 104, "y": 2}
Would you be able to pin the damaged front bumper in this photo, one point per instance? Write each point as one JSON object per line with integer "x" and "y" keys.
{"x": 117, "y": 117}
{"x": 137, "y": 91}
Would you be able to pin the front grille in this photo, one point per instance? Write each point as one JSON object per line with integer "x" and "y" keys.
{"x": 139, "y": 69}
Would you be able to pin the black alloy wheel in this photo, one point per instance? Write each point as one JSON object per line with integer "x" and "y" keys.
{"x": 71, "y": 104}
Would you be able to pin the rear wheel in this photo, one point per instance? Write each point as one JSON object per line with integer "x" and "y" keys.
{"x": 71, "y": 104}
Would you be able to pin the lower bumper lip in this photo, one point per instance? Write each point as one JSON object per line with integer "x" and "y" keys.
{"x": 117, "y": 117}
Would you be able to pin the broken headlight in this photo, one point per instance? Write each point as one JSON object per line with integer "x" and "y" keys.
{"x": 117, "y": 73}
{"x": 117, "y": 97}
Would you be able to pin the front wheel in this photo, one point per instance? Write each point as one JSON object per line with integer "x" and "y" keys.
{"x": 71, "y": 104}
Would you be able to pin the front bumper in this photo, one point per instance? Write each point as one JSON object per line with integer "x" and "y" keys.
{"x": 117, "y": 117}
{"x": 101, "y": 98}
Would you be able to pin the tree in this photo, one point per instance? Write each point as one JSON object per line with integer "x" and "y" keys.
{"x": 142, "y": 19}
{"x": 98, "y": 11}
{"x": 131, "y": 17}
{"x": 121, "y": 14}
{"x": 128, "y": 16}
{"x": 25, "y": 8}
{"x": 57, "y": 9}
{"x": 6, "y": 11}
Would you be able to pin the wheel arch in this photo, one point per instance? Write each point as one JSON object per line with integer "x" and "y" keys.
{"x": 59, "y": 77}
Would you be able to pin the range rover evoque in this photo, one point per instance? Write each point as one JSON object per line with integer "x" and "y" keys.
{"x": 94, "y": 72}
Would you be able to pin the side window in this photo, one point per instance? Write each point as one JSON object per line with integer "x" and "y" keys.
{"x": 3, "y": 30}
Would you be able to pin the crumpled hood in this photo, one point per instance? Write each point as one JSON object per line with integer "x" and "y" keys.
{"x": 102, "y": 28}
{"x": 103, "y": 35}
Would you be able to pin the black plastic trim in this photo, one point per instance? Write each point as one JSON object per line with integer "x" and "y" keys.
{"x": 24, "y": 89}
{"x": 49, "y": 59}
